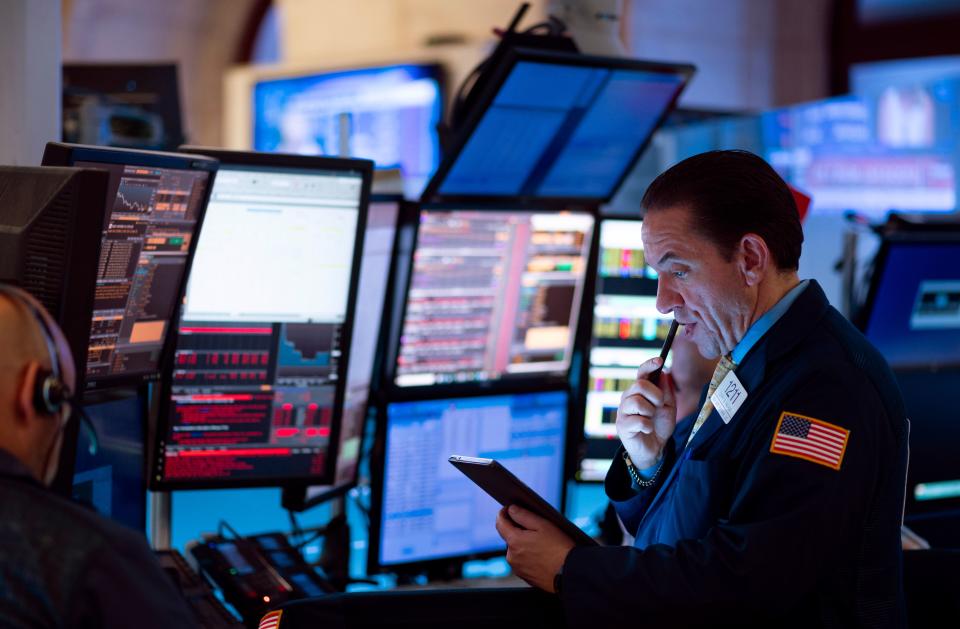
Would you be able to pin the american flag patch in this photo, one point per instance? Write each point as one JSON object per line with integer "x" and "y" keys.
{"x": 810, "y": 439}
{"x": 271, "y": 620}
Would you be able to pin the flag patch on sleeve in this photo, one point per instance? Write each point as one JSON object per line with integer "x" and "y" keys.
{"x": 271, "y": 620}
{"x": 810, "y": 439}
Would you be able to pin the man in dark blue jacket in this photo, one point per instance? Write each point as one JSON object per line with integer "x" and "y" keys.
{"x": 60, "y": 565}
{"x": 780, "y": 502}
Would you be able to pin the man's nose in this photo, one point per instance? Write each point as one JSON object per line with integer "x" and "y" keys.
{"x": 667, "y": 298}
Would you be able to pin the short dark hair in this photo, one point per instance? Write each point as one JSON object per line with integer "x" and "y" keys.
{"x": 730, "y": 194}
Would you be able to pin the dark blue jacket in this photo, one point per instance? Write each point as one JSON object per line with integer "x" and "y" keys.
{"x": 62, "y": 565}
{"x": 735, "y": 534}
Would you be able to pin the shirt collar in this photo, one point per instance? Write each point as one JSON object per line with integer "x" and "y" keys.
{"x": 762, "y": 325}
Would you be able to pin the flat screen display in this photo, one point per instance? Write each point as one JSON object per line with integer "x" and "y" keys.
{"x": 429, "y": 509}
{"x": 153, "y": 216}
{"x": 555, "y": 129}
{"x": 493, "y": 294}
{"x": 627, "y": 331}
{"x": 386, "y": 114}
{"x": 915, "y": 317}
{"x": 260, "y": 354}
{"x": 892, "y": 150}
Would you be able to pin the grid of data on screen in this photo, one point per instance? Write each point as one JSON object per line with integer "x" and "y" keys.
{"x": 493, "y": 294}
{"x": 430, "y": 509}
{"x": 150, "y": 225}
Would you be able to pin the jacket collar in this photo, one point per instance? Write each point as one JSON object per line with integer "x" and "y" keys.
{"x": 792, "y": 328}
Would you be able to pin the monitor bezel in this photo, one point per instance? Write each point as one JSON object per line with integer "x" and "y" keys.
{"x": 462, "y": 136}
{"x": 276, "y": 161}
{"x": 62, "y": 154}
{"x": 400, "y": 393}
{"x": 919, "y": 234}
{"x": 378, "y": 466}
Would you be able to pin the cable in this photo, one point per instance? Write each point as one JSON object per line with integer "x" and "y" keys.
{"x": 296, "y": 532}
{"x": 552, "y": 27}
{"x": 86, "y": 424}
{"x": 223, "y": 524}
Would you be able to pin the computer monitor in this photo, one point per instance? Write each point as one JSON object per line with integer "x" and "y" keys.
{"x": 424, "y": 509}
{"x": 388, "y": 114}
{"x": 627, "y": 330}
{"x": 912, "y": 314}
{"x": 155, "y": 206}
{"x": 111, "y": 477}
{"x": 378, "y": 244}
{"x": 50, "y": 225}
{"x": 557, "y": 125}
{"x": 493, "y": 294}
{"x": 129, "y": 105}
{"x": 256, "y": 392}
{"x": 891, "y": 151}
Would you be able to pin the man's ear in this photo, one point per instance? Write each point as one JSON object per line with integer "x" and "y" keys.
{"x": 755, "y": 258}
{"x": 26, "y": 385}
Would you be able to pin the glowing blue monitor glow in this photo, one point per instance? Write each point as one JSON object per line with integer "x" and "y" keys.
{"x": 561, "y": 131}
{"x": 430, "y": 510}
{"x": 386, "y": 114}
{"x": 112, "y": 479}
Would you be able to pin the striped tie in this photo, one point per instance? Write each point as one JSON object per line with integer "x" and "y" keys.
{"x": 723, "y": 368}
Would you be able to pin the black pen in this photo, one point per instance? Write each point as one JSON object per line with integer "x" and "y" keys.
{"x": 655, "y": 376}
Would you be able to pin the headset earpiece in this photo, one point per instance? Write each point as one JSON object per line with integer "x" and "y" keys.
{"x": 49, "y": 393}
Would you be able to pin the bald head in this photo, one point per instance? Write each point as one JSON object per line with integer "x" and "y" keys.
{"x": 24, "y": 342}
{"x": 30, "y": 434}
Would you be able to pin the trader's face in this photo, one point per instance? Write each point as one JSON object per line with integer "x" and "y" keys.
{"x": 704, "y": 291}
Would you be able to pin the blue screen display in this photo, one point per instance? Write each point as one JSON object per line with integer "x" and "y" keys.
{"x": 561, "y": 131}
{"x": 387, "y": 114}
{"x": 894, "y": 150}
{"x": 915, "y": 319}
{"x": 430, "y": 509}
{"x": 112, "y": 480}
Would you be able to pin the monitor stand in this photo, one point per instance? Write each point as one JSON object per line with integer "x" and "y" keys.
{"x": 160, "y": 520}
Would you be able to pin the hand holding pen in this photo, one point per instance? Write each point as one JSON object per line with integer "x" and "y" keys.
{"x": 647, "y": 415}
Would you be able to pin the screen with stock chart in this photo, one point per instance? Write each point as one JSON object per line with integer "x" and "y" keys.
{"x": 146, "y": 241}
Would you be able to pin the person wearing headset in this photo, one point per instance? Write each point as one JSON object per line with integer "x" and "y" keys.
{"x": 61, "y": 565}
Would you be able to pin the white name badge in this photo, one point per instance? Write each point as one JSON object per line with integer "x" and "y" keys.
{"x": 729, "y": 397}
